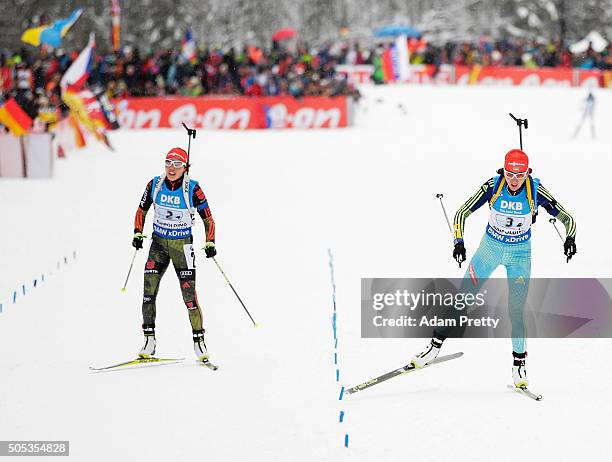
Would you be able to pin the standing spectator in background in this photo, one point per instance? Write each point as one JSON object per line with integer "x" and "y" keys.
{"x": 589, "y": 59}
{"x": 566, "y": 58}
{"x": 132, "y": 81}
{"x": 192, "y": 87}
{"x": 223, "y": 78}
{"x": 211, "y": 67}
{"x": 6, "y": 78}
{"x": 23, "y": 77}
{"x": 354, "y": 55}
{"x": 53, "y": 86}
{"x": 588, "y": 112}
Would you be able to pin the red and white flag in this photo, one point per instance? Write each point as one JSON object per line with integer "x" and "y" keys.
{"x": 75, "y": 77}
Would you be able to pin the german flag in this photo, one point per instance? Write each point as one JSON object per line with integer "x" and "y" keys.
{"x": 78, "y": 134}
{"x": 15, "y": 118}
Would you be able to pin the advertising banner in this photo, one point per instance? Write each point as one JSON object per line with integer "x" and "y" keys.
{"x": 492, "y": 75}
{"x": 446, "y": 74}
{"x": 357, "y": 74}
{"x": 234, "y": 113}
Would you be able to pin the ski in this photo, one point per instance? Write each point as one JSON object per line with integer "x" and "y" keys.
{"x": 526, "y": 392}
{"x": 138, "y": 361}
{"x": 208, "y": 364}
{"x": 401, "y": 371}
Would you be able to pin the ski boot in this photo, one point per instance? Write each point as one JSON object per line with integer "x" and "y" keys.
{"x": 199, "y": 347}
{"x": 148, "y": 350}
{"x": 519, "y": 372}
{"x": 428, "y": 355}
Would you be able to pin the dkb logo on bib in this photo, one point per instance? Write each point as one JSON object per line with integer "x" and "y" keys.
{"x": 170, "y": 200}
{"x": 511, "y": 205}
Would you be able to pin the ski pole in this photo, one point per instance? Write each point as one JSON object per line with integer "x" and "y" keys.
{"x": 440, "y": 196}
{"x": 234, "y": 290}
{"x": 123, "y": 289}
{"x": 450, "y": 228}
{"x": 190, "y": 132}
{"x": 554, "y": 223}
{"x": 520, "y": 123}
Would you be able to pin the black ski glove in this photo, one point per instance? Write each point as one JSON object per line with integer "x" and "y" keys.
{"x": 210, "y": 250}
{"x": 137, "y": 241}
{"x": 569, "y": 248}
{"x": 459, "y": 253}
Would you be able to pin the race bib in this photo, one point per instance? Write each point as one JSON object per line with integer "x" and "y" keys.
{"x": 189, "y": 256}
{"x": 172, "y": 218}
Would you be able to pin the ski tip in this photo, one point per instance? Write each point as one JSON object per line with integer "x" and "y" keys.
{"x": 526, "y": 391}
{"x": 208, "y": 364}
{"x": 533, "y": 395}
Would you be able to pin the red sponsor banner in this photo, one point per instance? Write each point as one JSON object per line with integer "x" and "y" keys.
{"x": 233, "y": 112}
{"x": 362, "y": 74}
{"x": 589, "y": 78}
{"x": 492, "y": 75}
{"x": 462, "y": 75}
{"x": 358, "y": 74}
{"x": 307, "y": 112}
{"x": 428, "y": 73}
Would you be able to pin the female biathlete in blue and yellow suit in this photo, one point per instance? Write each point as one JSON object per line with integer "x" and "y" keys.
{"x": 513, "y": 197}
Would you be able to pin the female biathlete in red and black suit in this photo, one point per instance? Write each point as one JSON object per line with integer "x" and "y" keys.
{"x": 175, "y": 200}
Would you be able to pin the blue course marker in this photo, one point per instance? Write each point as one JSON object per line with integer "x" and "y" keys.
{"x": 42, "y": 278}
{"x": 335, "y": 329}
{"x": 14, "y": 296}
{"x": 334, "y": 325}
{"x": 0, "y": 307}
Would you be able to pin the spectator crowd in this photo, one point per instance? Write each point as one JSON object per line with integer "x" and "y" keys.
{"x": 513, "y": 52}
{"x": 33, "y": 75}
{"x": 248, "y": 72}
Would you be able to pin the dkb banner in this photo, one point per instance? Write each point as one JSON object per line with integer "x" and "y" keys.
{"x": 500, "y": 308}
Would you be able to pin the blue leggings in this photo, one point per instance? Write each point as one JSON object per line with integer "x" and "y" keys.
{"x": 517, "y": 260}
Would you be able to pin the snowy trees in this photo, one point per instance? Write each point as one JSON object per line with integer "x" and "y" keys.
{"x": 160, "y": 23}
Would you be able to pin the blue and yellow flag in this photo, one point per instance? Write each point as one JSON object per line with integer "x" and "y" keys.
{"x": 51, "y": 34}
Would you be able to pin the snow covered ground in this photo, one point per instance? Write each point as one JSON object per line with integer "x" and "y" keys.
{"x": 280, "y": 199}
